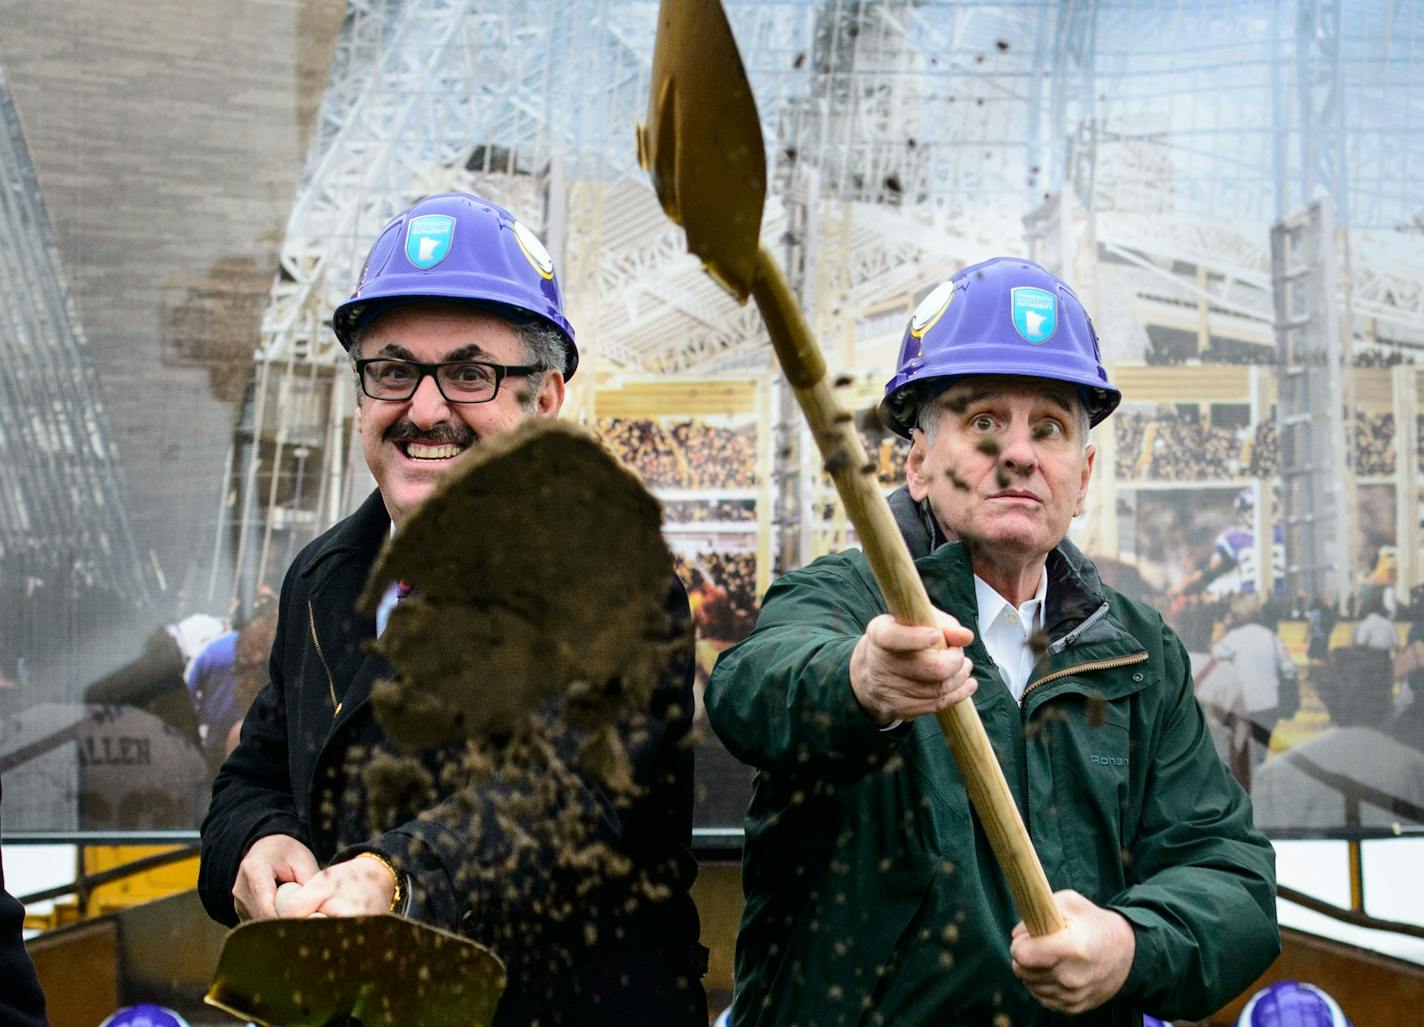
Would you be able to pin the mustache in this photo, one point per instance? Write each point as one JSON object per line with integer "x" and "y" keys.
{"x": 438, "y": 435}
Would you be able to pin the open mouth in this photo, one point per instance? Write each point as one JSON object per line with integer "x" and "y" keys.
{"x": 428, "y": 451}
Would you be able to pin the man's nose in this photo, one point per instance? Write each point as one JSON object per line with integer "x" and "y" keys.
{"x": 428, "y": 406}
{"x": 1017, "y": 452}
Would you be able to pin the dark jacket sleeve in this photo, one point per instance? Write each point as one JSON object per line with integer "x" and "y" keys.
{"x": 450, "y": 849}
{"x": 1204, "y": 907}
{"x": 252, "y": 795}
{"x": 22, "y": 1004}
{"x": 781, "y": 699}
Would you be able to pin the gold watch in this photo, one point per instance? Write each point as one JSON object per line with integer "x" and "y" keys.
{"x": 396, "y": 875}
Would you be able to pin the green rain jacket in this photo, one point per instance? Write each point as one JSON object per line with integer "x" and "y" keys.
{"x": 872, "y": 896}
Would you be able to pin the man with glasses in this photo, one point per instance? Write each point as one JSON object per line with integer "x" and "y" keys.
{"x": 457, "y": 333}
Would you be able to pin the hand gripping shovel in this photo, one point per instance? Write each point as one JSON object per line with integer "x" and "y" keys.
{"x": 367, "y": 971}
{"x": 702, "y": 146}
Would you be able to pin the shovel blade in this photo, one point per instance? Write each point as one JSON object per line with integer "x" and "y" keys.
{"x": 382, "y": 971}
{"x": 702, "y": 143}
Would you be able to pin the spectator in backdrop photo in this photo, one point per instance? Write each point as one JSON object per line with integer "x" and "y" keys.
{"x": 688, "y": 454}
{"x": 1320, "y": 619}
{"x": 212, "y": 687}
{"x": 872, "y": 895}
{"x": 1375, "y": 630}
{"x": 1407, "y": 725}
{"x": 1219, "y": 690}
{"x": 1352, "y": 774}
{"x": 250, "y": 655}
{"x": 155, "y": 681}
{"x": 1267, "y": 672}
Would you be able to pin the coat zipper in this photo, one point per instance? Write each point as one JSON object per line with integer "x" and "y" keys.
{"x": 1117, "y": 661}
{"x": 1071, "y": 637}
{"x": 330, "y": 681}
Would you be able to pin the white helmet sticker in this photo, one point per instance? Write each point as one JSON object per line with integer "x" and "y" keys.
{"x": 534, "y": 251}
{"x": 931, "y": 308}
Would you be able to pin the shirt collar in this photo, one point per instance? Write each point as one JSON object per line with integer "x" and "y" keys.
{"x": 991, "y": 604}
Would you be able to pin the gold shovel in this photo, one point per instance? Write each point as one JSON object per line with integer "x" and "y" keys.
{"x": 372, "y": 971}
{"x": 702, "y": 146}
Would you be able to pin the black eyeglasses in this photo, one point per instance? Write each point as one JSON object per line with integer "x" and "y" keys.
{"x": 459, "y": 381}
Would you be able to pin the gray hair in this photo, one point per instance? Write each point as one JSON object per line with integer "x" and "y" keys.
{"x": 542, "y": 343}
{"x": 543, "y": 347}
{"x": 931, "y": 411}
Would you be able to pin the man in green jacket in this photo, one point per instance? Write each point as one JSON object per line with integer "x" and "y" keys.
{"x": 872, "y": 894}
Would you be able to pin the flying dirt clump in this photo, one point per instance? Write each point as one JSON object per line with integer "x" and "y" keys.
{"x": 539, "y": 580}
{"x": 531, "y": 661}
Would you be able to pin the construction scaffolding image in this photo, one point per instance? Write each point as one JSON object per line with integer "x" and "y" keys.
{"x": 959, "y": 558}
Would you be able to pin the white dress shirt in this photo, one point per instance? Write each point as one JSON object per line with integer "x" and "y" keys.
{"x": 1006, "y": 630}
{"x": 388, "y": 601}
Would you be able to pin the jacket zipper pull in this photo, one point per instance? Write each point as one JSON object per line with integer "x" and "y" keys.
{"x": 330, "y": 681}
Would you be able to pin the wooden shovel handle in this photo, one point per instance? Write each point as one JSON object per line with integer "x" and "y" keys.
{"x": 854, "y": 475}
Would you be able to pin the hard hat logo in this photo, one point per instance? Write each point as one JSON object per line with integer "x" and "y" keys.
{"x": 931, "y": 309}
{"x": 534, "y": 250}
{"x": 1035, "y": 314}
{"x": 428, "y": 239}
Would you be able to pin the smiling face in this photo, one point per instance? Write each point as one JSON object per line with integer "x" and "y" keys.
{"x": 1006, "y": 468}
{"x": 408, "y": 444}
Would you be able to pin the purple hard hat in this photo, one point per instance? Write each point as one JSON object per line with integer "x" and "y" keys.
{"x": 457, "y": 246}
{"x": 1005, "y": 316}
{"x": 1292, "y": 1004}
{"x": 145, "y": 1014}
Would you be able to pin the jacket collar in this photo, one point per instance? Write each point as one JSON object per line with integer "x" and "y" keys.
{"x": 917, "y": 525}
{"x": 361, "y": 533}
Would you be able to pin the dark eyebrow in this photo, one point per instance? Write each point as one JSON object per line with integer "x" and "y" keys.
{"x": 471, "y": 352}
{"x": 977, "y": 394}
{"x": 1061, "y": 403}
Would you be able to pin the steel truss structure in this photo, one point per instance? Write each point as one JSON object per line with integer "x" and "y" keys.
{"x": 1161, "y": 138}
{"x": 66, "y": 549}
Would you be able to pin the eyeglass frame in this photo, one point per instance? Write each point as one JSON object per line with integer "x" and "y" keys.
{"x": 501, "y": 372}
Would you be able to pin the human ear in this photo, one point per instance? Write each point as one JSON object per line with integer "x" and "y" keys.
{"x": 551, "y": 394}
{"x": 915, "y": 466}
{"x": 1090, "y": 452}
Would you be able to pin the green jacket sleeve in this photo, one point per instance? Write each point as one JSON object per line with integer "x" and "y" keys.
{"x": 781, "y": 699}
{"x": 1203, "y": 907}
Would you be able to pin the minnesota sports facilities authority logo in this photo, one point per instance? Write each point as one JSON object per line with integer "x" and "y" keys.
{"x": 428, "y": 238}
{"x": 1035, "y": 313}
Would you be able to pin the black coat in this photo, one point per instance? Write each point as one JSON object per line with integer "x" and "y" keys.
{"x": 621, "y": 959}
{"x": 22, "y": 1003}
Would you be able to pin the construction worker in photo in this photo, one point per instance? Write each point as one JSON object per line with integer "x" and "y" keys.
{"x": 872, "y": 895}
{"x": 457, "y": 333}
